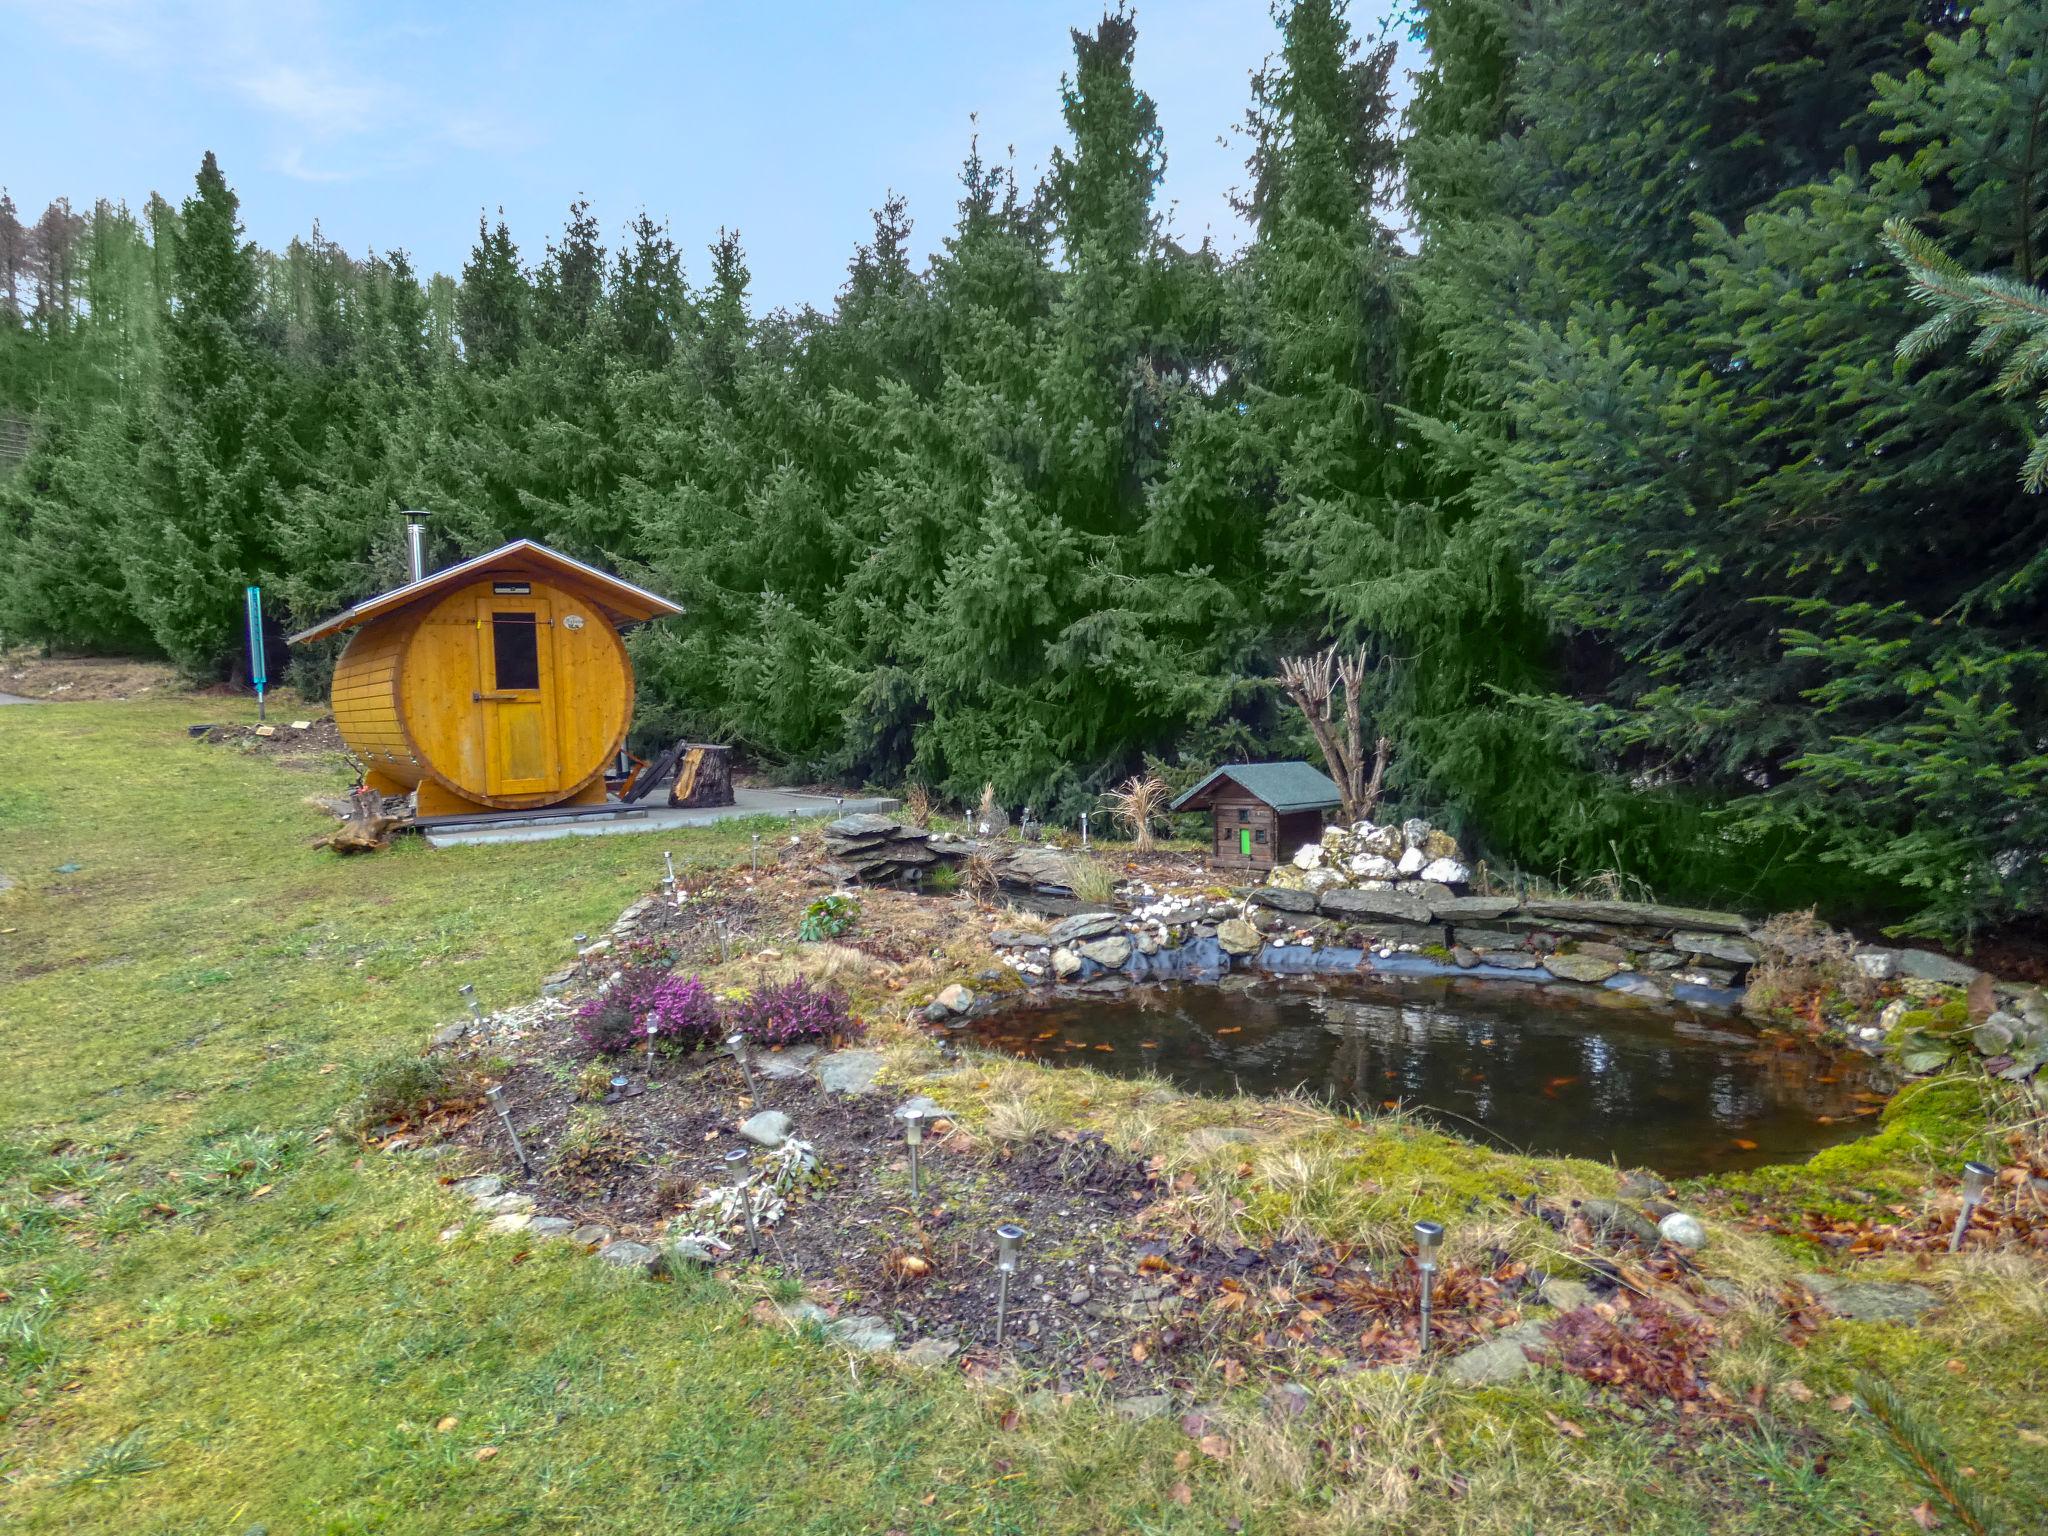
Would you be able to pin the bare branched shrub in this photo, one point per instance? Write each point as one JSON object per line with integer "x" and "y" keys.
{"x": 1137, "y": 805}
{"x": 1311, "y": 682}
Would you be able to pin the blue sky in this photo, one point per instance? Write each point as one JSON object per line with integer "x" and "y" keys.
{"x": 394, "y": 125}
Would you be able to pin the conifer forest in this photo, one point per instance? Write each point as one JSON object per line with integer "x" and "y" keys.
{"x": 1654, "y": 392}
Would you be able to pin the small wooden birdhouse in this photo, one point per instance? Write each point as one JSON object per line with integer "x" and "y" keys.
{"x": 1262, "y": 811}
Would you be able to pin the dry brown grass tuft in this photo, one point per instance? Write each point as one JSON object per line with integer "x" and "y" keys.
{"x": 918, "y": 805}
{"x": 1137, "y": 805}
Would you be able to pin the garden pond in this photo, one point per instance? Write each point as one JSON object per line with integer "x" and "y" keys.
{"x": 1552, "y": 1070}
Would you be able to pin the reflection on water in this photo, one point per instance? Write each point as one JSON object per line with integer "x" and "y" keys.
{"x": 1571, "y": 1072}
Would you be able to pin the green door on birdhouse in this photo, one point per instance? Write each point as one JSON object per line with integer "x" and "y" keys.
{"x": 1244, "y": 841}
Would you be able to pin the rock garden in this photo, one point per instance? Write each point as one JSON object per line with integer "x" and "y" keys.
{"x": 732, "y": 1079}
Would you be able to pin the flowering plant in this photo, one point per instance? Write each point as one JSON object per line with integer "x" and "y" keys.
{"x": 644, "y": 1002}
{"x": 789, "y": 1011}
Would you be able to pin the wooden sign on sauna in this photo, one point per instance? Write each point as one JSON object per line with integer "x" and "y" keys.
{"x": 496, "y": 684}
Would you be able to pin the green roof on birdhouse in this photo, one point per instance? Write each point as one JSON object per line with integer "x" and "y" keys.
{"x": 1286, "y": 787}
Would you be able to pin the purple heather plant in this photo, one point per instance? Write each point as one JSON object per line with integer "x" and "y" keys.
{"x": 787, "y": 1012}
{"x": 679, "y": 1009}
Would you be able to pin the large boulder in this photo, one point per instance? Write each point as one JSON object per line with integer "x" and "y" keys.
{"x": 1112, "y": 953}
{"x": 1238, "y": 937}
{"x": 1579, "y": 967}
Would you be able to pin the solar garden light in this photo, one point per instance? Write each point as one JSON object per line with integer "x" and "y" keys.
{"x": 579, "y": 939}
{"x": 737, "y": 1044}
{"x": 1429, "y": 1236}
{"x": 468, "y": 991}
{"x": 1977, "y": 1178}
{"x": 496, "y": 1094}
{"x": 1084, "y": 829}
{"x": 653, "y": 1024}
{"x": 757, "y": 853}
{"x": 1008, "y": 1236}
{"x": 668, "y": 880}
{"x": 913, "y": 1133}
{"x": 737, "y": 1160}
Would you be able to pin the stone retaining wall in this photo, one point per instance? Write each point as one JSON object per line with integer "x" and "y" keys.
{"x": 1645, "y": 949}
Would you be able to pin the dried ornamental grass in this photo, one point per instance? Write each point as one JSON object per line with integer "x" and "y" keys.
{"x": 1137, "y": 805}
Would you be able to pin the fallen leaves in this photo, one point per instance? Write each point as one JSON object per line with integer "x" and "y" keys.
{"x": 1641, "y": 1351}
{"x": 445, "y": 1423}
{"x": 484, "y": 1452}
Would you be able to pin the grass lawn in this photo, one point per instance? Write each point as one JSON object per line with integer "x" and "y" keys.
{"x": 219, "y": 1315}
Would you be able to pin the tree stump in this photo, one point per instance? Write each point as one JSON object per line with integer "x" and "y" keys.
{"x": 704, "y": 778}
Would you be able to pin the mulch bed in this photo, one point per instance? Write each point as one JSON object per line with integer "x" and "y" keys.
{"x": 321, "y": 736}
{"x": 1114, "y": 1287}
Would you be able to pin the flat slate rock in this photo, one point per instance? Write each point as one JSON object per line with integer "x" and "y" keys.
{"x": 630, "y": 1255}
{"x": 1474, "y": 907}
{"x": 1873, "y": 1301}
{"x": 1717, "y": 946}
{"x": 863, "y": 1331}
{"x": 848, "y": 1071}
{"x": 550, "y": 1226}
{"x": 1085, "y": 925}
{"x": 1283, "y": 898}
{"x": 1037, "y": 867}
{"x": 1502, "y": 1358}
{"x": 1637, "y": 914}
{"x": 871, "y": 824}
{"x": 1926, "y": 965}
{"x": 1154, "y": 1405}
{"x": 1395, "y": 904}
{"x": 1005, "y": 938}
{"x": 787, "y": 1064}
{"x": 929, "y": 1352}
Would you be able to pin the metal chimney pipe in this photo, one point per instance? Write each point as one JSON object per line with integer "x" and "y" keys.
{"x": 415, "y": 546}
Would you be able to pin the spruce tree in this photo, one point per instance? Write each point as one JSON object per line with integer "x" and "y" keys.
{"x": 205, "y": 524}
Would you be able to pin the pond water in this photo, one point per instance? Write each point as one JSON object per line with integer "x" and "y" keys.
{"x": 1562, "y": 1071}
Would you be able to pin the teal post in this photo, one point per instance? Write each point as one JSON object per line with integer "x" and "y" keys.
{"x": 257, "y": 674}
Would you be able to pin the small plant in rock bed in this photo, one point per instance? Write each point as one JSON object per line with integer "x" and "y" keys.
{"x": 784, "y": 1013}
{"x": 679, "y": 1009}
{"x": 592, "y": 1152}
{"x": 828, "y": 918}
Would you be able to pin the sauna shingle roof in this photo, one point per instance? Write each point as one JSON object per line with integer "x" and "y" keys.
{"x": 1291, "y": 786}
{"x": 621, "y": 600}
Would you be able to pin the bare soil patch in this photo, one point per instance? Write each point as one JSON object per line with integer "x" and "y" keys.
{"x": 26, "y": 671}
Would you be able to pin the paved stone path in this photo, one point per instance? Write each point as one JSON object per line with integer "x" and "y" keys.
{"x": 15, "y": 698}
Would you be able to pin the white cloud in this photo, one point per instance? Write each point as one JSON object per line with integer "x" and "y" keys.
{"x": 292, "y": 162}
{"x": 320, "y": 100}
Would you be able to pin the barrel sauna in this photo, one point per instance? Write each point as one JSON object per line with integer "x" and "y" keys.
{"x": 497, "y": 684}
